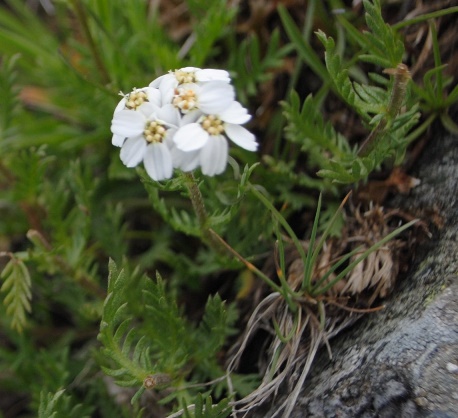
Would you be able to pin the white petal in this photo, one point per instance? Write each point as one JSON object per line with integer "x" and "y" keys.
{"x": 169, "y": 114}
{"x": 190, "y": 117}
{"x": 189, "y": 69}
{"x": 167, "y": 88}
{"x": 154, "y": 96}
{"x": 121, "y": 105}
{"x": 186, "y": 161}
{"x": 213, "y": 156}
{"x": 133, "y": 150}
{"x": 215, "y": 96}
{"x": 235, "y": 113}
{"x": 118, "y": 140}
{"x": 128, "y": 123}
{"x": 168, "y": 139}
{"x": 158, "y": 162}
{"x": 209, "y": 74}
{"x": 190, "y": 137}
{"x": 157, "y": 81}
{"x": 241, "y": 136}
{"x": 147, "y": 109}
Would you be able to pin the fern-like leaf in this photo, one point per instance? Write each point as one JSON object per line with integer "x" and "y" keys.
{"x": 384, "y": 45}
{"x": 166, "y": 327}
{"x": 307, "y": 127}
{"x": 8, "y": 93}
{"x": 215, "y": 327}
{"x": 118, "y": 337}
{"x": 366, "y": 100}
{"x": 17, "y": 289}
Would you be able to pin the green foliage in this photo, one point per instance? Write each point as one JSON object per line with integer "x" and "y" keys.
{"x": 364, "y": 99}
{"x": 147, "y": 50}
{"x": 180, "y": 220}
{"x": 433, "y": 96}
{"x": 303, "y": 48}
{"x": 306, "y": 127}
{"x": 59, "y": 405}
{"x": 378, "y": 106}
{"x": 251, "y": 66}
{"x": 211, "y": 19}
{"x": 17, "y": 289}
{"x": 158, "y": 341}
{"x": 207, "y": 409}
{"x": 381, "y": 45}
{"x": 223, "y": 210}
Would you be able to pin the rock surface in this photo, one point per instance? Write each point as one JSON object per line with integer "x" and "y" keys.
{"x": 403, "y": 361}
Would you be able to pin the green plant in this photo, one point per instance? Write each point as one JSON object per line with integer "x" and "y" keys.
{"x": 160, "y": 328}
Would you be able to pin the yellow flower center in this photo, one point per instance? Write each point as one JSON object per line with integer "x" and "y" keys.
{"x": 212, "y": 124}
{"x": 135, "y": 99}
{"x": 185, "y": 77}
{"x": 185, "y": 99}
{"x": 154, "y": 132}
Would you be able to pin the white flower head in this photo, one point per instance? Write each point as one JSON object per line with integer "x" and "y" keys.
{"x": 149, "y": 130}
{"x": 133, "y": 101}
{"x": 207, "y": 138}
{"x": 181, "y": 120}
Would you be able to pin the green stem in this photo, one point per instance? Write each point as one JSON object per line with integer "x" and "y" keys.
{"x": 251, "y": 267}
{"x": 277, "y": 215}
{"x": 424, "y": 17}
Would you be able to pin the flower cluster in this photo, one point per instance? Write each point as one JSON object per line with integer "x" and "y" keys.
{"x": 181, "y": 120}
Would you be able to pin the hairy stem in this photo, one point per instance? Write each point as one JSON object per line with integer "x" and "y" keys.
{"x": 202, "y": 217}
{"x": 401, "y": 78}
{"x": 196, "y": 200}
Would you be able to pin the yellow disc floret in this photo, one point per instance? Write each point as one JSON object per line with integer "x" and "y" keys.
{"x": 185, "y": 77}
{"x": 212, "y": 124}
{"x": 135, "y": 99}
{"x": 185, "y": 99}
{"x": 154, "y": 132}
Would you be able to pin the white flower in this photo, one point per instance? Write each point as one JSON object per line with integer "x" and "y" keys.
{"x": 133, "y": 101}
{"x": 149, "y": 130}
{"x": 189, "y": 75}
{"x": 207, "y": 138}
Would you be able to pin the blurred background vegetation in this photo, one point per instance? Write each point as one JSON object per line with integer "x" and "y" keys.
{"x": 68, "y": 205}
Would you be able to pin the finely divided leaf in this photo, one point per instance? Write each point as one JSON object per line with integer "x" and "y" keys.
{"x": 17, "y": 289}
